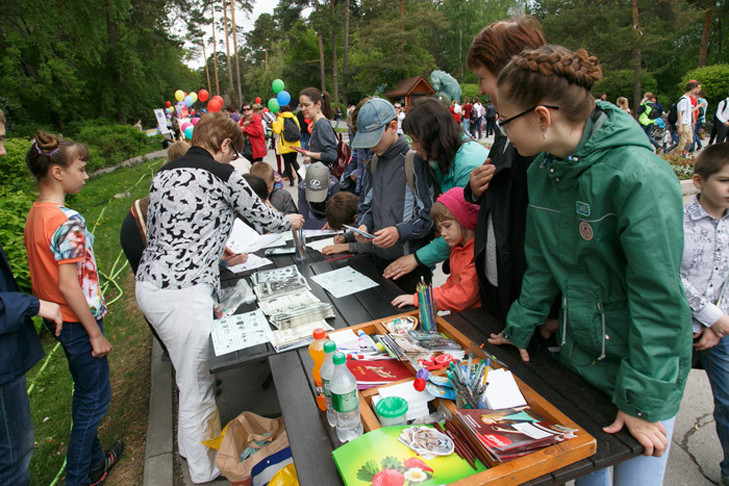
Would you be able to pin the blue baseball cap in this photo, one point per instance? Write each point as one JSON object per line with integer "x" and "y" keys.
{"x": 372, "y": 119}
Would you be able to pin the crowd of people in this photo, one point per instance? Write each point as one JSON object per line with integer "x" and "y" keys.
{"x": 570, "y": 225}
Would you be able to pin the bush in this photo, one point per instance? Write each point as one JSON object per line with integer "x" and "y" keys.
{"x": 714, "y": 81}
{"x": 112, "y": 144}
{"x": 14, "y": 205}
{"x": 469, "y": 89}
{"x": 620, "y": 83}
{"x": 13, "y": 171}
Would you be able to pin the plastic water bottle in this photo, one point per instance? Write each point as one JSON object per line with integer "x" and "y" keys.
{"x": 345, "y": 401}
{"x": 326, "y": 376}
{"x": 316, "y": 351}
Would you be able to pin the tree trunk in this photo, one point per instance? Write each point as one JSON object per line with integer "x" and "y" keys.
{"x": 207, "y": 68}
{"x": 345, "y": 55}
{"x": 322, "y": 73}
{"x": 335, "y": 75}
{"x": 227, "y": 51}
{"x": 637, "y": 59}
{"x": 705, "y": 36}
{"x": 116, "y": 83}
{"x": 215, "y": 54}
{"x": 235, "y": 53}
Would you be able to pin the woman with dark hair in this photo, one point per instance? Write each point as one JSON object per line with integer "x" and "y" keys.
{"x": 451, "y": 155}
{"x": 499, "y": 247}
{"x": 316, "y": 106}
{"x": 193, "y": 202}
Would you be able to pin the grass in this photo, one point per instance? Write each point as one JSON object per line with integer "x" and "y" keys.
{"x": 125, "y": 328}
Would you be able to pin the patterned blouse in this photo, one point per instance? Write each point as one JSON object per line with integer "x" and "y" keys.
{"x": 193, "y": 202}
{"x": 705, "y": 265}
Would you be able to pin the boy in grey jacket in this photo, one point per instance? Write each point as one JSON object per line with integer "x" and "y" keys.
{"x": 398, "y": 216}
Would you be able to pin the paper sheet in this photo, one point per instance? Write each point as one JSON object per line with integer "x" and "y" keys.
{"x": 253, "y": 262}
{"x": 503, "y": 392}
{"x": 318, "y": 245}
{"x": 344, "y": 281}
{"x": 239, "y": 331}
{"x": 244, "y": 239}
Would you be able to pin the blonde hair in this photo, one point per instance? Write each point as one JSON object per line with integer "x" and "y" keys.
{"x": 177, "y": 150}
{"x": 262, "y": 170}
{"x": 552, "y": 74}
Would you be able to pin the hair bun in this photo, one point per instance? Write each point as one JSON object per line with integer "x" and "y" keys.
{"x": 576, "y": 67}
{"x": 47, "y": 142}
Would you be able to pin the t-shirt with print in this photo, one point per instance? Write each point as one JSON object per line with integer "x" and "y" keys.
{"x": 56, "y": 235}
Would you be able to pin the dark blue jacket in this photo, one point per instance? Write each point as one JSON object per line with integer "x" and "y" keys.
{"x": 20, "y": 347}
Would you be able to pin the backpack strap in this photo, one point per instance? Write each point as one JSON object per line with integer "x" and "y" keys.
{"x": 409, "y": 168}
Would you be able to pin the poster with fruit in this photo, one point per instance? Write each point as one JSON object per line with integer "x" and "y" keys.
{"x": 379, "y": 458}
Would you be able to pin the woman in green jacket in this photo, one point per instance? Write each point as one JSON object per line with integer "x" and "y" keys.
{"x": 451, "y": 155}
{"x": 604, "y": 229}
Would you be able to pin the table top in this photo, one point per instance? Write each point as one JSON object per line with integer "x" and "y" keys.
{"x": 312, "y": 440}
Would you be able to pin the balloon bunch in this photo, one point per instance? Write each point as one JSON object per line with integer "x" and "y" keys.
{"x": 282, "y": 97}
{"x": 186, "y": 100}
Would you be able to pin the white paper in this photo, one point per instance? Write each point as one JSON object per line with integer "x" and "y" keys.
{"x": 302, "y": 171}
{"x": 244, "y": 239}
{"x": 345, "y": 340}
{"x": 417, "y": 400}
{"x": 318, "y": 245}
{"x": 286, "y": 302}
{"x": 344, "y": 281}
{"x": 296, "y": 337}
{"x": 239, "y": 331}
{"x": 502, "y": 391}
{"x": 253, "y": 262}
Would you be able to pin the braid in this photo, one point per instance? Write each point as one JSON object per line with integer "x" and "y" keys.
{"x": 552, "y": 74}
{"x": 576, "y": 67}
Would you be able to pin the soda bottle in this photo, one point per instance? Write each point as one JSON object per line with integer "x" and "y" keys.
{"x": 326, "y": 376}
{"x": 316, "y": 351}
{"x": 343, "y": 387}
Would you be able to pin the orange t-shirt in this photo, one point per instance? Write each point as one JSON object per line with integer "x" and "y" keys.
{"x": 56, "y": 235}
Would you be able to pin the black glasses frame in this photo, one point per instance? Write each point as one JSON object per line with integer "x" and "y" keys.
{"x": 502, "y": 123}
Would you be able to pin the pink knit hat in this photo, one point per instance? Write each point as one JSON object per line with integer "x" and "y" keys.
{"x": 465, "y": 212}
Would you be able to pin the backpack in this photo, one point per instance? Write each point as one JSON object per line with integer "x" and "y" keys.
{"x": 655, "y": 112}
{"x": 673, "y": 113}
{"x": 409, "y": 171}
{"x": 291, "y": 132}
{"x": 344, "y": 157}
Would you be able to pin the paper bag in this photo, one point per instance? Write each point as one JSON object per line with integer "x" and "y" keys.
{"x": 242, "y": 432}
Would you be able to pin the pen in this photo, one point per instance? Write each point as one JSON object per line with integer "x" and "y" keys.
{"x": 338, "y": 258}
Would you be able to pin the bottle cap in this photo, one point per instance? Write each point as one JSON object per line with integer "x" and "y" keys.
{"x": 339, "y": 358}
{"x": 319, "y": 333}
{"x": 330, "y": 347}
{"x": 392, "y": 407}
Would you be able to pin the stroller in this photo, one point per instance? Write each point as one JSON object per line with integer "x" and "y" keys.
{"x": 661, "y": 133}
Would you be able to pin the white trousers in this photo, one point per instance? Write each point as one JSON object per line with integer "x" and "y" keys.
{"x": 183, "y": 319}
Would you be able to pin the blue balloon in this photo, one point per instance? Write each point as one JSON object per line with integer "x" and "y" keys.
{"x": 188, "y": 100}
{"x": 283, "y": 98}
{"x": 188, "y": 132}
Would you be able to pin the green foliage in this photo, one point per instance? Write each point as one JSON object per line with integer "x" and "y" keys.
{"x": 14, "y": 205}
{"x": 368, "y": 471}
{"x": 111, "y": 144}
{"x": 684, "y": 168}
{"x": 391, "y": 462}
{"x": 620, "y": 83}
{"x": 469, "y": 89}
{"x": 714, "y": 81}
{"x": 13, "y": 171}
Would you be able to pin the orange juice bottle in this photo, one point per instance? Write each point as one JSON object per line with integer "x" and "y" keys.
{"x": 316, "y": 351}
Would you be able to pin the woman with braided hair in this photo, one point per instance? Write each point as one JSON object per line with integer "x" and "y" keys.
{"x": 604, "y": 229}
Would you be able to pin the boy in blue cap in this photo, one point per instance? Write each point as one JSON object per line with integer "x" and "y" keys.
{"x": 395, "y": 205}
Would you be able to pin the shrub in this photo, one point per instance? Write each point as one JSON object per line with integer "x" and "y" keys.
{"x": 714, "y": 81}
{"x": 112, "y": 144}
{"x": 14, "y": 205}
{"x": 13, "y": 171}
{"x": 684, "y": 168}
{"x": 469, "y": 89}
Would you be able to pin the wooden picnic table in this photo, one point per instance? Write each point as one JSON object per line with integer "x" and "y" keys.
{"x": 312, "y": 440}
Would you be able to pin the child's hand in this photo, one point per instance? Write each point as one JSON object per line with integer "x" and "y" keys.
{"x": 100, "y": 347}
{"x": 401, "y": 266}
{"x": 707, "y": 340}
{"x": 52, "y": 312}
{"x": 338, "y": 248}
{"x": 499, "y": 339}
{"x": 402, "y": 300}
{"x": 651, "y": 435}
{"x": 339, "y": 239}
{"x": 386, "y": 237}
{"x": 360, "y": 238}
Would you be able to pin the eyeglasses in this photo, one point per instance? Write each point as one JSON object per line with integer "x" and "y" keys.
{"x": 502, "y": 123}
{"x": 247, "y": 109}
{"x": 398, "y": 107}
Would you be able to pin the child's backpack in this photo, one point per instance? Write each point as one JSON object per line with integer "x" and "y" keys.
{"x": 655, "y": 112}
{"x": 344, "y": 157}
{"x": 291, "y": 132}
{"x": 409, "y": 171}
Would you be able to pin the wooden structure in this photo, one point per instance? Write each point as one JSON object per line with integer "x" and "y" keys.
{"x": 409, "y": 89}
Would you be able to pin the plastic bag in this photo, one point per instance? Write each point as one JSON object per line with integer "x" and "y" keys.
{"x": 230, "y": 298}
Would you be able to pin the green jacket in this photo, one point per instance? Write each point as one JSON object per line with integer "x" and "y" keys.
{"x": 604, "y": 228}
{"x": 469, "y": 156}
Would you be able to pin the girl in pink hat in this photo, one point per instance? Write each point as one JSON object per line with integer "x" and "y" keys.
{"x": 456, "y": 220}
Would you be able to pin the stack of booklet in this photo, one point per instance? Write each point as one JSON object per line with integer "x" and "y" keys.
{"x": 285, "y": 297}
{"x": 419, "y": 344}
{"x": 512, "y": 432}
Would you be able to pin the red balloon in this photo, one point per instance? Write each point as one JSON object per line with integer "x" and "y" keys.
{"x": 168, "y": 104}
{"x": 219, "y": 99}
{"x": 214, "y": 105}
{"x": 258, "y": 99}
{"x": 203, "y": 95}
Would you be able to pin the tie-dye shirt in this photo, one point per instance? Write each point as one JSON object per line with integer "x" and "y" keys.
{"x": 56, "y": 235}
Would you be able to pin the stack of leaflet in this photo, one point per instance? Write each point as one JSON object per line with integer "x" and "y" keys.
{"x": 418, "y": 344}
{"x": 284, "y": 296}
{"x": 512, "y": 432}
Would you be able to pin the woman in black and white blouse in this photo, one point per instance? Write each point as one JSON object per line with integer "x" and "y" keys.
{"x": 193, "y": 203}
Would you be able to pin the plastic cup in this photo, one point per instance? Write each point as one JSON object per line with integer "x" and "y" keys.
{"x": 392, "y": 411}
